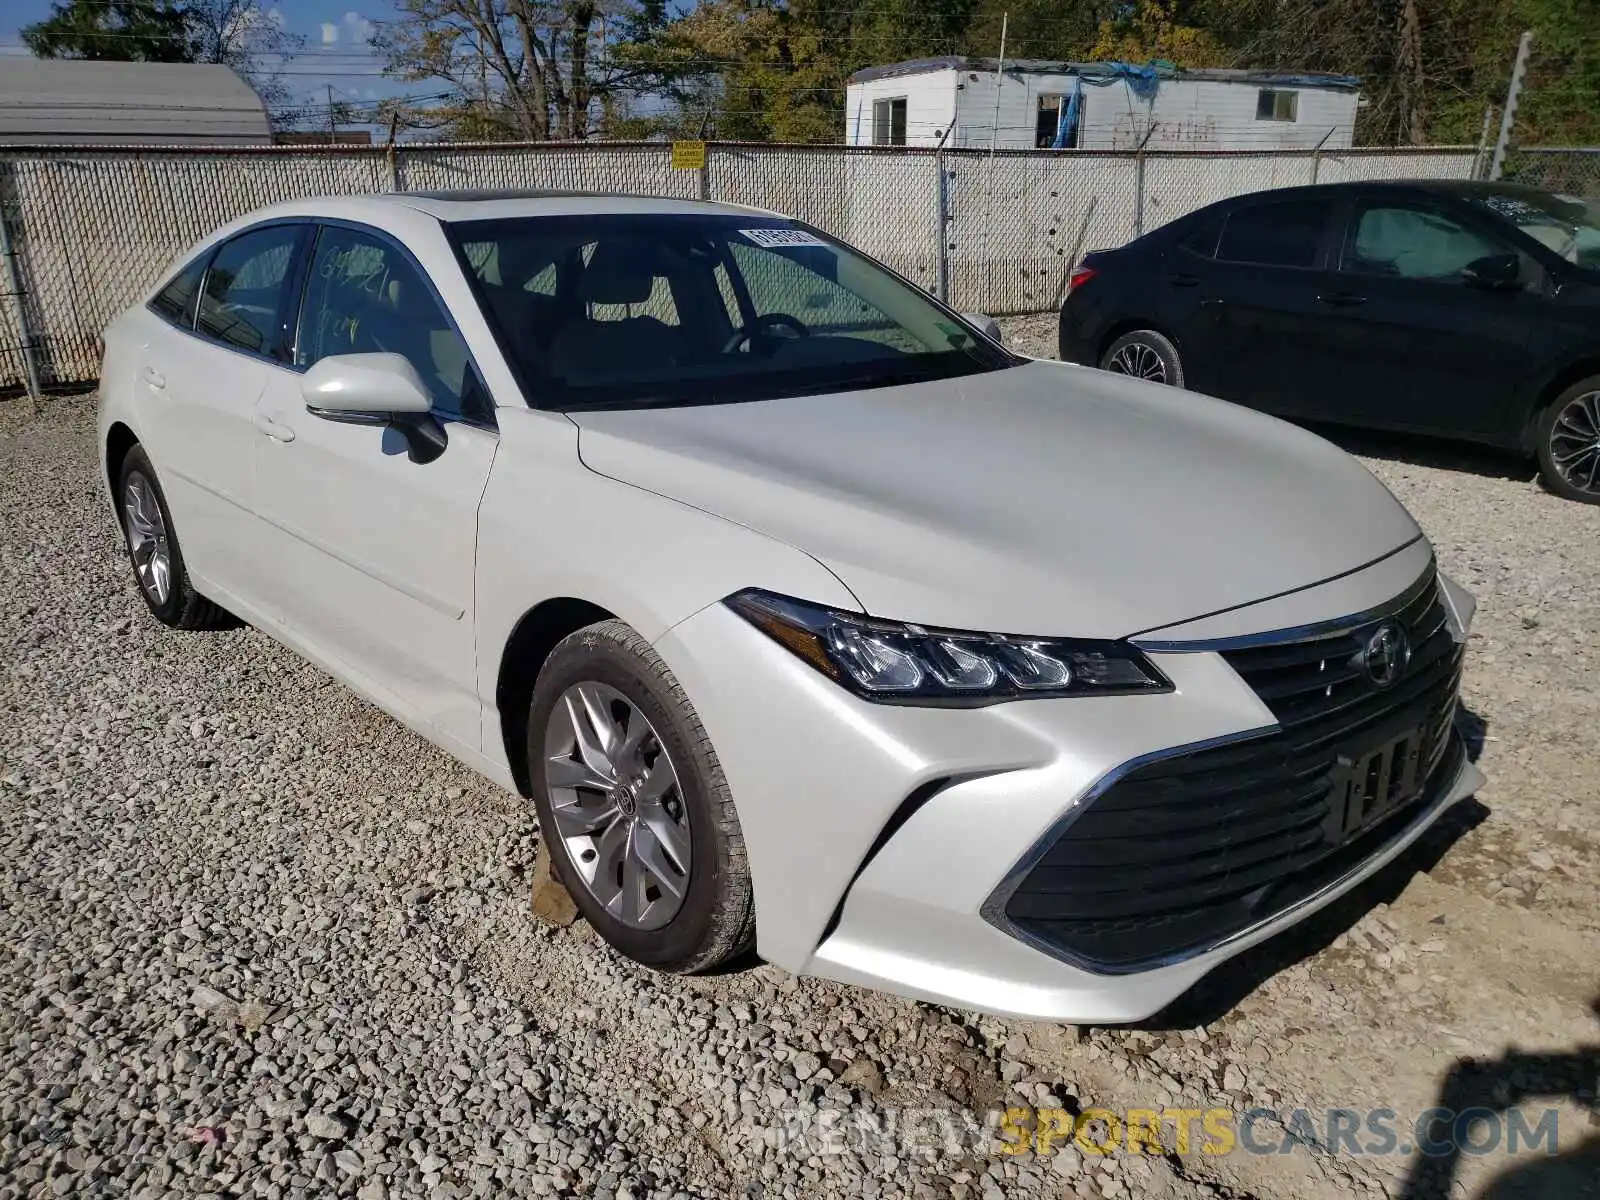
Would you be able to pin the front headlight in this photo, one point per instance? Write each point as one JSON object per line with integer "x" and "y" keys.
{"x": 909, "y": 664}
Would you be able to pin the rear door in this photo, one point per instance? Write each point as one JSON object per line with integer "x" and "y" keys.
{"x": 1416, "y": 345}
{"x": 201, "y": 376}
{"x": 1254, "y": 336}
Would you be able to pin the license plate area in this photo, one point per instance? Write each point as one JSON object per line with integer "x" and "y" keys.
{"x": 1368, "y": 785}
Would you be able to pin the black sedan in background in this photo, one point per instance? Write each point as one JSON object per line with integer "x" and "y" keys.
{"x": 1470, "y": 310}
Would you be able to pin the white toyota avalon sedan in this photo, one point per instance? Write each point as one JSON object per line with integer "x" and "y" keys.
{"x": 804, "y": 613}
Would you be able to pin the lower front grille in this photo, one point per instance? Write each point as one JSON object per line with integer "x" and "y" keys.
{"x": 1183, "y": 852}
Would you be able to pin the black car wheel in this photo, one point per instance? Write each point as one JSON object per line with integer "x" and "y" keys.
{"x": 1569, "y": 442}
{"x": 1144, "y": 354}
{"x": 633, "y": 809}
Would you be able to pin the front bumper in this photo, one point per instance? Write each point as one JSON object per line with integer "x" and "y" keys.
{"x": 879, "y": 836}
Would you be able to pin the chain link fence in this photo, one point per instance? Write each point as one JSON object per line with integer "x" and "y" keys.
{"x": 1569, "y": 170}
{"x": 91, "y": 230}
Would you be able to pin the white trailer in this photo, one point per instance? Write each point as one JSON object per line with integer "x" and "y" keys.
{"x": 966, "y": 103}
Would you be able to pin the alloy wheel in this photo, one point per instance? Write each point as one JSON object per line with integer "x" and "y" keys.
{"x": 147, "y": 538}
{"x": 1575, "y": 442}
{"x": 1140, "y": 361}
{"x": 617, "y": 805}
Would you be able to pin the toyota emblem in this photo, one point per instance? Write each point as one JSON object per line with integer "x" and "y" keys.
{"x": 1386, "y": 654}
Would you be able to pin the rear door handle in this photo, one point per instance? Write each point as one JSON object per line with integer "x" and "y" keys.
{"x": 1341, "y": 299}
{"x": 275, "y": 430}
{"x": 1183, "y": 279}
{"x": 153, "y": 377}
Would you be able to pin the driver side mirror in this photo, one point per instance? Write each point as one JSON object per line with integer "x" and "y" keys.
{"x": 375, "y": 389}
{"x": 1496, "y": 272}
{"x": 987, "y": 325}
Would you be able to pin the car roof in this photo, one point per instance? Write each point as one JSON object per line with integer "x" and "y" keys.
{"x": 474, "y": 204}
{"x": 1464, "y": 189}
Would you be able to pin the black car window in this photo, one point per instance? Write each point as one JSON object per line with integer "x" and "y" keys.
{"x": 1283, "y": 233}
{"x": 1201, "y": 237}
{"x": 364, "y": 296}
{"x": 246, "y": 296}
{"x": 175, "y": 302}
{"x": 1411, "y": 241}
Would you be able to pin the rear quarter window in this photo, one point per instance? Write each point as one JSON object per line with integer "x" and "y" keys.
{"x": 175, "y": 302}
{"x": 1279, "y": 233}
{"x": 1200, "y": 238}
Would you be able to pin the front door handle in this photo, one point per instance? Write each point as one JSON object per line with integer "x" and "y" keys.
{"x": 1341, "y": 299}
{"x": 276, "y": 430}
{"x": 153, "y": 377}
{"x": 1183, "y": 279}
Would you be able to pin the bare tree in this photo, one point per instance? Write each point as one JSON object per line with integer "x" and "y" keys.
{"x": 242, "y": 35}
{"x": 527, "y": 69}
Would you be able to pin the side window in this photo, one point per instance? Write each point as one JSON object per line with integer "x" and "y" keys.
{"x": 1201, "y": 238}
{"x": 364, "y": 296}
{"x": 781, "y": 281}
{"x": 730, "y": 298}
{"x": 1411, "y": 242}
{"x": 1286, "y": 233}
{"x": 512, "y": 265}
{"x": 175, "y": 302}
{"x": 245, "y": 302}
{"x": 625, "y": 282}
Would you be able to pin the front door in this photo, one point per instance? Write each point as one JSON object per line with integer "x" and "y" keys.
{"x": 1253, "y": 334}
{"x": 1418, "y": 345}
{"x": 374, "y": 552}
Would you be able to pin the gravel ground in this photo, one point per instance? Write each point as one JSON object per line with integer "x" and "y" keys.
{"x": 256, "y": 939}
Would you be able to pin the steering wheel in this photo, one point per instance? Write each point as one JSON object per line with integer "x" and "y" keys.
{"x": 753, "y": 330}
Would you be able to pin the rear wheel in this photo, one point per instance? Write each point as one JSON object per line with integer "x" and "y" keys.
{"x": 1144, "y": 354}
{"x": 154, "y": 551}
{"x": 1568, "y": 434}
{"x": 633, "y": 808}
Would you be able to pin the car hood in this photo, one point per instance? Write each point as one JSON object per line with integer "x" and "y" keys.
{"x": 1041, "y": 499}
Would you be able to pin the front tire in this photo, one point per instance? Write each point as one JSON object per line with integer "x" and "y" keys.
{"x": 1567, "y": 437}
{"x": 1144, "y": 354}
{"x": 636, "y": 816}
{"x": 153, "y": 549}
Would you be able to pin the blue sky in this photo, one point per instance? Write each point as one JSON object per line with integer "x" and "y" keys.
{"x": 336, "y": 53}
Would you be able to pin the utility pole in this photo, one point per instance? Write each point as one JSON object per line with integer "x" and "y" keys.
{"x": 332, "y": 132}
{"x": 1508, "y": 115}
{"x": 1483, "y": 143}
{"x": 988, "y": 182}
{"x": 999, "y": 83}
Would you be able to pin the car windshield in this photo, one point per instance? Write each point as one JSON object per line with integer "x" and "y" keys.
{"x": 651, "y": 310}
{"x": 1568, "y": 225}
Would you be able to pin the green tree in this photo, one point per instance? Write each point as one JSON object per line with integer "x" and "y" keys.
{"x": 121, "y": 30}
{"x": 1429, "y": 69}
{"x": 235, "y": 33}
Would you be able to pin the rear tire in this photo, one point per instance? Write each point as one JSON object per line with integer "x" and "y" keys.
{"x": 1567, "y": 440}
{"x": 153, "y": 549}
{"x": 637, "y": 817}
{"x": 1144, "y": 354}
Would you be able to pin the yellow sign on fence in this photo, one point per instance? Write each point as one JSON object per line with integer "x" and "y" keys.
{"x": 689, "y": 156}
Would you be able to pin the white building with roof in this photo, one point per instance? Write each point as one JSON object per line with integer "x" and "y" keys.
{"x": 967, "y": 104}
{"x": 75, "y": 102}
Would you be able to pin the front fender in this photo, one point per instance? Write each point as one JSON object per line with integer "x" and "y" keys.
{"x": 550, "y": 527}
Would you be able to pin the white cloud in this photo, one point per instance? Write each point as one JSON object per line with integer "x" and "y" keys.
{"x": 357, "y": 28}
{"x": 330, "y": 33}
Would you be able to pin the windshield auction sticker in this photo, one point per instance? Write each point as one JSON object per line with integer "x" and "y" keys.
{"x": 775, "y": 238}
